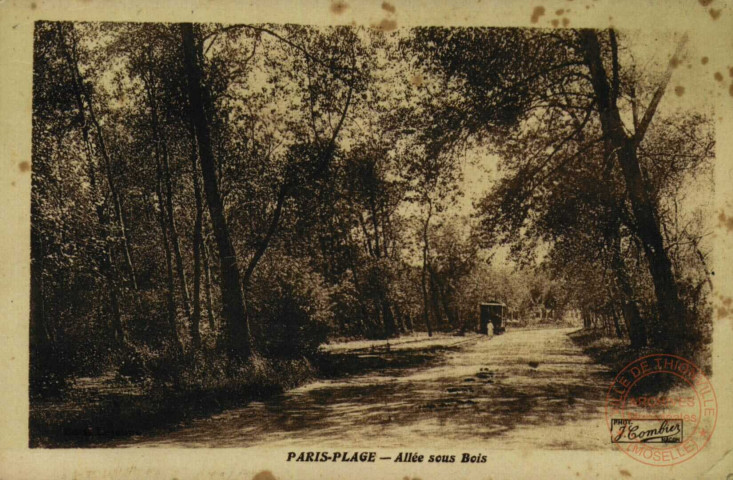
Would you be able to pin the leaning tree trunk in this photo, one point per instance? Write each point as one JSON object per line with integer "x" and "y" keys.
{"x": 106, "y": 260}
{"x": 89, "y": 118}
{"x": 670, "y": 307}
{"x": 237, "y": 341}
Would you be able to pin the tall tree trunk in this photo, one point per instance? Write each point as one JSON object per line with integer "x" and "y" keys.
{"x": 629, "y": 308}
{"x": 386, "y": 228}
{"x": 197, "y": 240}
{"x": 39, "y": 334}
{"x": 116, "y": 317}
{"x": 648, "y": 229}
{"x": 616, "y": 323}
{"x": 399, "y": 318}
{"x": 237, "y": 339}
{"x": 434, "y": 301}
{"x": 425, "y": 259}
{"x": 375, "y": 225}
{"x": 443, "y": 296}
{"x": 355, "y": 279}
{"x": 175, "y": 240}
{"x": 390, "y": 326}
{"x": 383, "y": 304}
{"x": 207, "y": 285}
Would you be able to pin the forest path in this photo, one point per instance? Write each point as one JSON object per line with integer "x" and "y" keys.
{"x": 524, "y": 389}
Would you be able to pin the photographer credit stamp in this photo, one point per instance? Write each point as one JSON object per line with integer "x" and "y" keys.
{"x": 661, "y": 410}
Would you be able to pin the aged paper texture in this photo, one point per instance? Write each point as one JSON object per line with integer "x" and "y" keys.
{"x": 366, "y": 239}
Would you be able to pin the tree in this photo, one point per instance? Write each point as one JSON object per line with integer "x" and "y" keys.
{"x": 454, "y": 258}
{"x": 373, "y": 200}
{"x": 625, "y": 147}
{"x": 237, "y": 339}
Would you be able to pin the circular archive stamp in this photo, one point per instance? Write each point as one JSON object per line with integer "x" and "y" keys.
{"x": 661, "y": 410}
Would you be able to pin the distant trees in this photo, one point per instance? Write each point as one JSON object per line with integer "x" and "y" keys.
{"x": 577, "y": 178}
{"x": 453, "y": 258}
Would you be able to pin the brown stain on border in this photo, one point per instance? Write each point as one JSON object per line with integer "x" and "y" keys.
{"x": 705, "y": 3}
{"x": 386, "y": 25}
{"x": 679, "y": 90}
{"x": 725, "y": 221}
{"x": 388, "y": 7}
{"x": 537, "y": 13}
{"x": 715, "y": 14}
{"x": 24, "y": 166}
{"x": 339, "y": 7}
{"x": 264, "y": 475}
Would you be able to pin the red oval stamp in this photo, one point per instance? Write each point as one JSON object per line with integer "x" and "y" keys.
{"x": 661, "y": 410}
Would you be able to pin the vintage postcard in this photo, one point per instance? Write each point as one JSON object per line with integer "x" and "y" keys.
{"x": 366, "y": 239}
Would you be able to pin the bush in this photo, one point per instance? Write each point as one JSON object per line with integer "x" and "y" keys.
{"x": 72, "y": 353}
{"x": 347, "y": 308}
{"x": 292, "y": 309}
{"x": 694, "y": 294}
{"x": 50, "y": 372}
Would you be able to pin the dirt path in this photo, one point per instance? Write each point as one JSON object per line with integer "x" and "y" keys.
{"x": 525, "y": 388}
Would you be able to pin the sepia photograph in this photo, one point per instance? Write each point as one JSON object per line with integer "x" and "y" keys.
{"x": 376, "y": 243}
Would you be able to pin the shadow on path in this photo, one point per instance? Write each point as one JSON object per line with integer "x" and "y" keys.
{"x": 524, "y": 386}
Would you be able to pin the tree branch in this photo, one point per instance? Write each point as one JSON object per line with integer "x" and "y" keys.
{"x": 615, "y": 68}
{"x": 659, "y": 93}
{"x": 286, "y": 41}
{"x": 274, "y": 222}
